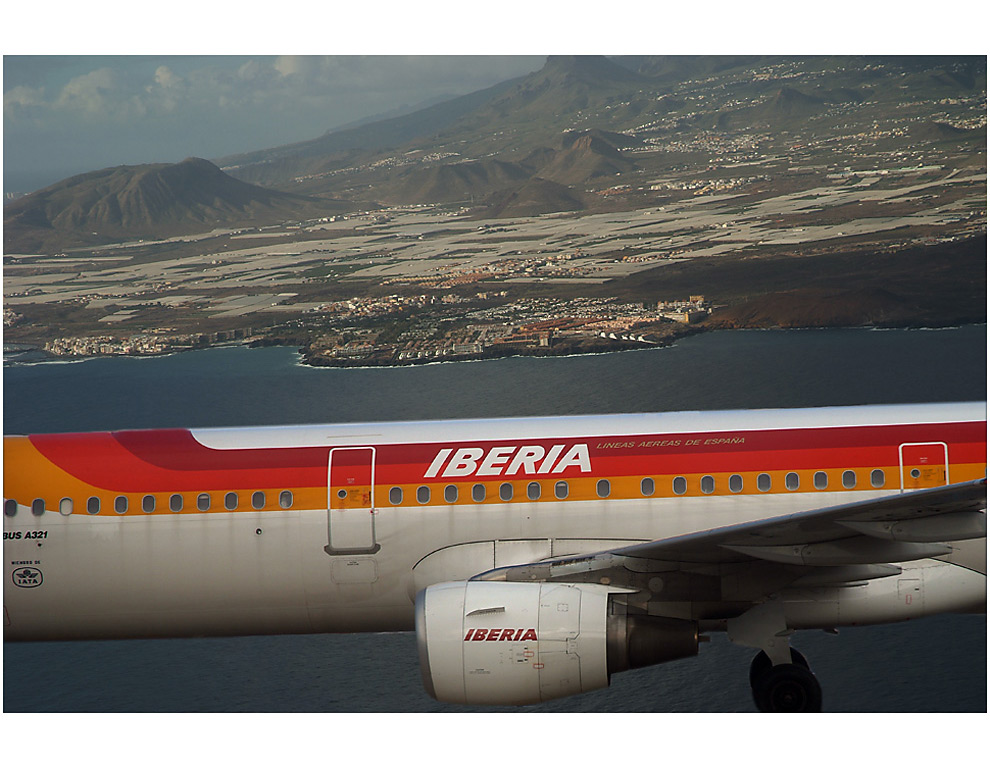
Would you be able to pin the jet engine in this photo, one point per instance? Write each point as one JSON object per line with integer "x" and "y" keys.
{"x": 487, "y": 643}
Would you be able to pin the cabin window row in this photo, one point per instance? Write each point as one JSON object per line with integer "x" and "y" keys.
{"x": 764, "y": 482}
{"x": 176, "y": 502}
{"x": 451, "y": 493}
{"x": 506, "y": 492}
{"x": 648, "y": 487}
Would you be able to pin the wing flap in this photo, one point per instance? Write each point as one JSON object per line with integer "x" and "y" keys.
{"x": 837, "y": 545}
{"x": 935, "y": 506}
{"x": 951, "y": 526}
{"x": 852, "y": 551}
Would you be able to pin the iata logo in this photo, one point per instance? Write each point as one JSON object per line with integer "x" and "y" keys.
{"x": 27, "y": 577}
{"x": 509, "y": 460}
{"x": 501, "y": 635}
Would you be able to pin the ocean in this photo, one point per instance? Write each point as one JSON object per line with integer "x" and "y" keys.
{"x": 932, "y": 665}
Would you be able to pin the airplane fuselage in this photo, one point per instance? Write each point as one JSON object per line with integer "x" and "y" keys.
{"x": 337, "y": 528}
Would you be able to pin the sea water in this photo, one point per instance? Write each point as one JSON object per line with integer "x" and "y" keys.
{"x": 934, "y": 664}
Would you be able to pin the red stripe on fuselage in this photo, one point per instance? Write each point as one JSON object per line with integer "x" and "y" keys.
{"x": 173, "y": 460}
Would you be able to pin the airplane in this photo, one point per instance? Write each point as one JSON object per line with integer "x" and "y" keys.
{"x": 534, "y": 557}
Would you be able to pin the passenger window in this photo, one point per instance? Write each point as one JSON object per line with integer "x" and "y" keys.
{"x": 560, "y": 489}
{"x": 848, "y": 479}
{"x": 604, "y": 489}
{"x": 120, "y": 505}
{"x": 647, "y": 487}
{"x": 229, "y": 501}
{"x": 203, "y": 502}
{"x": 708, "y": 484}
{"x": 258, "y": 499}
{"x": 285, "y": 499}
{"x": 450, "y": 494}
{"x": 533, "y": 491}
{"x": 10, "y": 507}
{"x": 763, "y": 482}
{"x": 680, "y": 486}
{"x": 478, "y": 492}
{"x": 821, "y": 481}
{"x": 65, "y": 506}
{"x": 38, "y": 507}
{"x": 395, "y": 496}
{"x": 877, "y": 478}
{"x": 791, "y": 481}
{"x": 93, "y": 505}
{"x": 423, "y": 494}
{"x": 505, "y": 491}
{"x": 735, "y": 483}
{"x": 175, "y": 502}
{"x": 148, "y": 504}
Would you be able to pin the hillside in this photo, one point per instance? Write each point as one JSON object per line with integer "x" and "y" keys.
{"x": 655, "y": 99}
{"x": 146, "y": 201}
{"x": 582, "y": 133}
{"x": 342, "y": 147}
{"x": 535, "y": 197}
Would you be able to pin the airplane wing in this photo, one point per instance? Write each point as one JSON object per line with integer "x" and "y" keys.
{"x": 842, "y": 544}
{"x": 757, "y": 581}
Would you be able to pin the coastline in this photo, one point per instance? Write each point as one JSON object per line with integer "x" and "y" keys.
{"x": 26, "y": 355}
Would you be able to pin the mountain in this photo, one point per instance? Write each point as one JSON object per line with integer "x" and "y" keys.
{"x": 661, "y": 98}
{"x": 452, "y": 183}
{"x": 331, "y": 150}
{"x": 585, "y": 156}
{"x": 146, "y": 201}
{"x": 561, "y": 138}
{"x": 565, "y": 85}
{"x": 531, "y": 111}
{"x": 537, "y": 196}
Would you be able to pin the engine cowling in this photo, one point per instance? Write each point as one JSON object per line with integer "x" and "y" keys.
{"x": 487, "y": 643}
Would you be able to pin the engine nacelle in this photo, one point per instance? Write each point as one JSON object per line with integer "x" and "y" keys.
{"x": 488, "y": 642}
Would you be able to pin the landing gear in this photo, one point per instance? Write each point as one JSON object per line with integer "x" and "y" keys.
{"x": 762, "y": 664}
{"x": 784, "y": 687}
{"x": 779, "y": 676}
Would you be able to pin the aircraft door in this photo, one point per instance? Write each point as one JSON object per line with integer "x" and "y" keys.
{"x": 924, "y": 465}
{"x": 351, "y": 501}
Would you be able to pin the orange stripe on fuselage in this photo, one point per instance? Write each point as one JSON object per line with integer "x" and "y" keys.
{"x": 164, "y": 462}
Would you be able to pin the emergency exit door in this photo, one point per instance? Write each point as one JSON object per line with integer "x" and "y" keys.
{"x": 351, "y": 501}
{"x": 924, "y": 465}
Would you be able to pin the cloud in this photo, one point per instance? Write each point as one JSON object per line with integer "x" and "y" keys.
{"x": 167, "y": 93}
{"x": 23, "y": 97}
{"x": 106, "y": 110}
{"x": 301, "y": 66}
{"x": 95, "y": 93}
{"x": 167, "y": 79}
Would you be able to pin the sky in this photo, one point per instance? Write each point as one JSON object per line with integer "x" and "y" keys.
{"x": 85, "y": 89}
{"x": 70, "y": 114}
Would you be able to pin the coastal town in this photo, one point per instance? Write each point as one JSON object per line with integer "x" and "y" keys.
{"x": 421, "y": 283}
{"x": 533, "y": 325}
{"x": 676, "y": 219}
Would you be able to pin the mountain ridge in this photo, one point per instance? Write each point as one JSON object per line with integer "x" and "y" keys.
{"x": 588, "y": 123}
{"x": 150, "y": 201}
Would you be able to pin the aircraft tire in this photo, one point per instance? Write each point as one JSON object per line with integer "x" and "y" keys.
{"x": 788, "y": 688}
{"x": 761, "y": 665}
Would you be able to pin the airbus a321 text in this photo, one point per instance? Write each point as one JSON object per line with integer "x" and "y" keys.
{"x": 534, "y": 557}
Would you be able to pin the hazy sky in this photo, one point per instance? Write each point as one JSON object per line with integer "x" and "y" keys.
{"x": 67, "y": 110}
{"x": 65, "y": 114}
